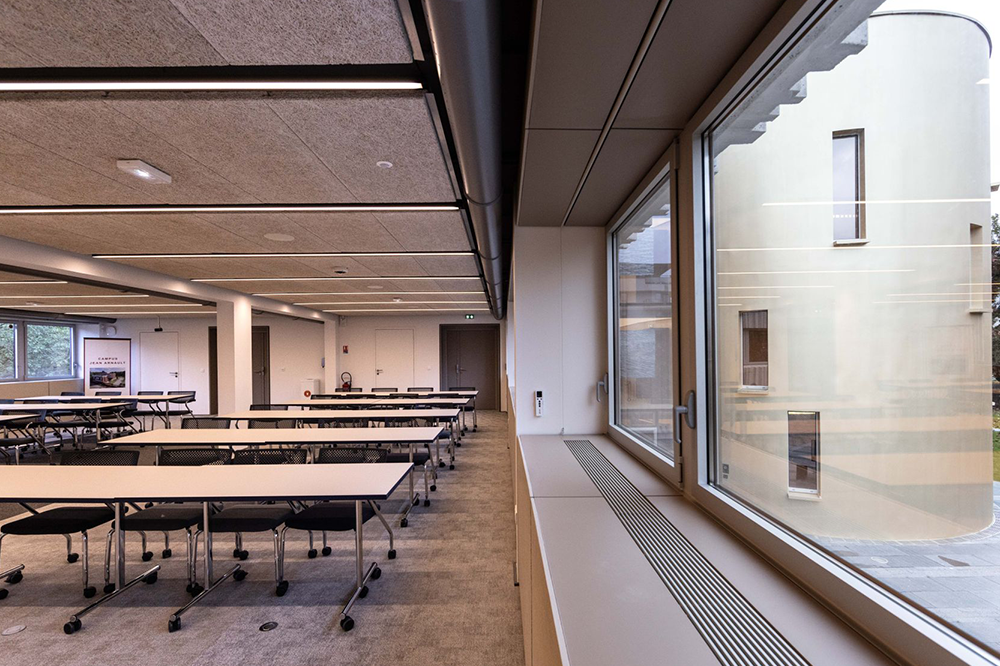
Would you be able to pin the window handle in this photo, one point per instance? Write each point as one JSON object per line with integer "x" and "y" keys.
{"x": 687, "y": 410}
{"x": 602, "y": 384}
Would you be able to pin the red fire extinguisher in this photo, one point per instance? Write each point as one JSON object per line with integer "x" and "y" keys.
{"x": 347, "y": 379}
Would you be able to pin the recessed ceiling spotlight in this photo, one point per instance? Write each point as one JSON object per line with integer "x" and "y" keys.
{"x": 284, "y": 238}
{"x": 383, "y": 164}
{"x": 147, "y": 172}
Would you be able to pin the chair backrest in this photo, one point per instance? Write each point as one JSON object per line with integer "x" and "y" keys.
{"x": 205, "y": 424}
{"x": 260, "y": 407}
{"x": 321, "y": 396}
{"x": 117, "y": 457}
{"x": 346, "y": 454}
{"x": 72, "y": 393}
{"x": 420, "y": 388}
{"x": 194, "y": 457}
{"x": 461, "y": 388}
{"x": 384, "y": 389}
{"x": 184, "y": 397}
{"x": 107, "y": 392}
{"x": 150, "y": 393}
{"x": 348, "y": 390}
{"x": 293, "y": 456}
{"x": 271, "y": 423}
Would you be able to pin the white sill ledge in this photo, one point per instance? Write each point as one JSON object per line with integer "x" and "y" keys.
{"x": 804, "y": 496}
{"x": 851, "y": 242}
{"x": 754, "y": 390}
{"x": 978, "y": 310}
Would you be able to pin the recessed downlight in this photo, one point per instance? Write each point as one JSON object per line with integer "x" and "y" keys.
{"x": 281, "y": 238}
{"x": 145, "y": 171}
{"x": 383, "y": 164}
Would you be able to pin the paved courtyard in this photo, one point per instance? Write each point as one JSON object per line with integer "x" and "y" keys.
{"x": 957, "y": 579}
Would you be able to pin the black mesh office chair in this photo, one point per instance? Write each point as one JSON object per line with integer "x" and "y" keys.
{"x": 294, "y": 456}
{"x": 72, "y": 393}
{"x": 141, "y": 414}
{"x": 254, "y": 424}
{"x": 420, "y": 389}
{"x": 72, "y": 519}
{"x": 471, "y": 407}
{"x": 339, "y": 516}
{"x": 180, "y": 406}
{"x": 264, "y": 407}
{"x": 205, "y": 423}
{"x": 347, "y": 390}
{"x": 384, "y": 389}
{"x": 167, "y": 518}
{"x": 107, "y": 392}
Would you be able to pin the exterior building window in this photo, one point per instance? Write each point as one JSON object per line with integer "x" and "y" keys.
{"x": 754, "y": 332}
{"x": 8, "y": 350}
{"x": 978, "y": 273}
{"x": 848, "y": 185}
{"x": 803, "y": 452}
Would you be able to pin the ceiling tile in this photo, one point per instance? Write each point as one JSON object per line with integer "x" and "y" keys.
{"x": 347, "y": 232}
{"x": 553, "y": 163}
{"x": 448, "y": 265}
{"x": 427, "y": 231}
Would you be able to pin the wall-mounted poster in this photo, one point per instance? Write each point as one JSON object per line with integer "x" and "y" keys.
{"x": 107, "y": 365}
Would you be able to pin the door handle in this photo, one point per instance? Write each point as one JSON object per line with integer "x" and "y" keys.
{"x": 378, "y": 371}
{"x": 602, "y": 384}
{"x": 687, "y": 410}
{"x": 174, "y": 374}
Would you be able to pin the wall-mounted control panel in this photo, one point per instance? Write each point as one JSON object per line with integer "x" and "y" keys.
{"x": 538, "y": 403}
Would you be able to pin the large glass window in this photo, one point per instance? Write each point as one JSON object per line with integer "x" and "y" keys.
{"x": 644, "y": 365}
{"x": 8, "y": 350}
{"x": 48, "y": 351}
{"x": 888, "y": 343}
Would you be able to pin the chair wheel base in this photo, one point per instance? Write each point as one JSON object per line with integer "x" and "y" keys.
{"x": 72, "y": 626}
{"x": 15, "y": 578}
{"x": 72, "y": 557}
{"x": 150, "y": 579}
{"x": 281, "y": 588}
{"x": 392, "y": 554}
{"x": 434, "y": 488}
{"x": 3, "y": 593}
{"x": 326, "y": 551}
{"x": 312, "y": 553}
{"x": 147, "y": 556}
{"x": 364, "y": 591}
{"x": 243, "y": 554}
{"x": 195, "y": 589}
{"x": 109, "y": 588}
{"x": 416, "y": 501}
{"x": 451, "y": 466}
{"x": 376, "y": 574}
{"x": 440, "y": 464}
{"x": 173, "y": 625}
{"x": 240, "y": 575}
{"x": 236, "y": 552}
{"x": 404, "y": 522}
{"x": 346, "y": 623}
{"x": 89, "y": 592}
{"x": 166, "y": 553}
{"x": 427, "y": 502}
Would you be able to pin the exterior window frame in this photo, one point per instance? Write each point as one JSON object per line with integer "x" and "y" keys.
{"x": 21, "y": 349}
{"x": 860, "y": 206}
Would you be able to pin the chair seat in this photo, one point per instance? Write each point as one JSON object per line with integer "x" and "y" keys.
{"x": 163, "y": 518}
{"x": 62, "y": 520}
{"x": 250, "y": 518}
{"x": 419, "y": 457}
{"x": 329, "y": 516}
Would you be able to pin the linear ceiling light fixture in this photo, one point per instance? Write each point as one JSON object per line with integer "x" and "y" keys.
{"x": 338, "y": 278}
{"x": 34, "y": 296}
{"x": 400, "y": 302}
{"x": 114, "y": 305}
{"x": 34, "y": 282}
{"x": 364, "y": 293}
{"x": 133, "y": 313}
{"x": 231, "y": 208}
{"x": 274, "y": 255}
{"x": 210, "y": 86}
{"x": 409, "y": 310}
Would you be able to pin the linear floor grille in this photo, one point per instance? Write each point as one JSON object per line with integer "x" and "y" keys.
{"x": 734, "y": 630}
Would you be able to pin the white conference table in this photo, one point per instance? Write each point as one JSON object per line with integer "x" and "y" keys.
{"x": 211, "y": 483}
{"x": 383, "y": 403}
{"x": 151, "y": 400}
{"x": 376, "y": 415}
{"x": 84, "y": 408}
{"x": 428, "y": 394}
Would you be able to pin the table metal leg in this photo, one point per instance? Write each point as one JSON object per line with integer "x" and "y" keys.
{"x": 373, "y": 572}
{"x": 414, "y": 498}
{"x": 174, "y": 623}
{"x": 475, "y": 416}
{"x": 149, "y": 576}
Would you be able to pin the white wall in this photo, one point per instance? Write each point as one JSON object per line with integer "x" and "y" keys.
{"x": 560, "y": 319}
{"x": 296, "y": 354}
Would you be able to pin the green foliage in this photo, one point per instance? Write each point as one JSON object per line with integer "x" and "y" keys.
{"x": 995, "y": 260}
{"x": 7, "y": 357}
{"x": 49, "y": 351}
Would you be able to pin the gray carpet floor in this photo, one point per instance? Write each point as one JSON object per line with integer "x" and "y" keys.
{"x": 448, "y": 598}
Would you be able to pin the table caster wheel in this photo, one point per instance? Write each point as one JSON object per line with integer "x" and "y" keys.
{"x": 312, "y": 553}
{"x": 326, "y": 551}
{"x": 363, "y": 593}
{"x": 404, "y": 522}
{"x": 3, "y": 593}
{"x": 346, "y": 623}
{"x": 451, "y": 466}
{"x": 475, "y": 428}
{"x": 441, "y": 464}
{"x": 240, "y": 575}
{"x": 147, "y": 556}
{"x": 72, "y": 557}
{"x": 109, "y": 588}
{"x": 196, "y": 589}
{"x": 89, "y": 592}
{"x": 244, "y": 554}
{"x": 72, "y": 626}
{"x": 15, "y": 578}
{"x": 427, "y": 502}
{"x": 458, "y": 443}
{"x": 150, "y": 578}
{"x": 166, "y": 553}
{"x": 376, "y": 573}
{"x": 392, "y": 554}
{"x": 281, "y": 588}
{"x": 236, "y": 552}
{"x": 434, "y": 488}
{"x": 174, "y": 625}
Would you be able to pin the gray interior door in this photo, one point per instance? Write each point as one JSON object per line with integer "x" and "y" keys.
{"x": 261, "y": 352}
{"x": 470, "y": 356}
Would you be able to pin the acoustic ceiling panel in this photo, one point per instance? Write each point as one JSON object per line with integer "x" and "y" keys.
{"x": 426, "y": 231}
{"x": 682, "y": 67}
{"x": 583, "y": 51}
{"x": 134, "y": 33}
{"x": 222, "y": 148}
{"x": 625, "y": 158}
{"x": 552, "y": 165}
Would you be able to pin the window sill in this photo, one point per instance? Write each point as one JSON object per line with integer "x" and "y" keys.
{"x": 852, "y": 242}
{"x": 978, "y": 311}
{"x": 754, "y": 390}
{"x": 803, "y": 496}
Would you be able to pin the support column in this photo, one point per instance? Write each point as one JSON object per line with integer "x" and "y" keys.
{"x": 234, "y": 322}
{"x": 331, "y": 352}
